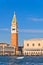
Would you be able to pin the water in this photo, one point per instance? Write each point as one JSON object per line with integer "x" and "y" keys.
{"x": 27, "y": 60}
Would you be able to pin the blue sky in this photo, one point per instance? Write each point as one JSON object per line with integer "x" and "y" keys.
{"x": 29, "y": 15}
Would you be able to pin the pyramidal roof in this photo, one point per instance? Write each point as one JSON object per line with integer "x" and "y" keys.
{"x": 14, "y": 18}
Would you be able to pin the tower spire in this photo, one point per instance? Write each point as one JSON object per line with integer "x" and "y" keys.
{"x": 14, "y": 18}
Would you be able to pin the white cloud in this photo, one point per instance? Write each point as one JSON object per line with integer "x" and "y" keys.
{"x": 30, "y": 31}
{"x": 4, "y": 29}
{"x": 36, "y": 19}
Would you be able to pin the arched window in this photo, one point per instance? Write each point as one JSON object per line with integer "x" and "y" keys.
{"x": 33, "y": 44}
{"x": 36, "y": 53}
{"x": 13, "y": 29}
{"x": 25, "y": 53}
{"x": 27, "y": 44}
{"x": 38, "y": 44}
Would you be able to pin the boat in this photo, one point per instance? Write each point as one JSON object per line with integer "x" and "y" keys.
{"x": 19, "y": 57}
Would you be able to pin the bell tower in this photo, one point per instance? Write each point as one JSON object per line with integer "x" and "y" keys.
{"x": 14, "y": 33}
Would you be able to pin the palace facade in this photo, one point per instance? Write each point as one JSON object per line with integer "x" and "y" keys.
{"x": 33, "y": 47}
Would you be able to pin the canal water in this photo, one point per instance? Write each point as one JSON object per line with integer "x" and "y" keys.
{"x": 27, "y": 60}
